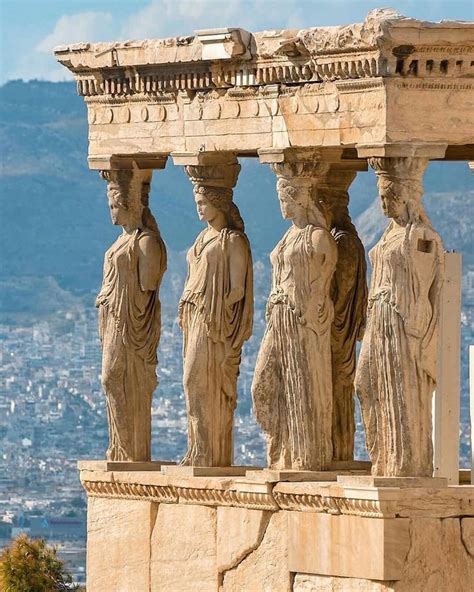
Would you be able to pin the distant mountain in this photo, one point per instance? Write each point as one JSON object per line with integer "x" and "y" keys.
{"x": 54, "y": 211}
{"x": 23, "y": 298}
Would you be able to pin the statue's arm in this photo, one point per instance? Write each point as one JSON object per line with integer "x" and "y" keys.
{"x": 149, "y": 263}
{"x": 324, "y": 259}
{"x": 424, "y": 247}
{"x": 238, "y": 261}
{"x": 325, "y": 249}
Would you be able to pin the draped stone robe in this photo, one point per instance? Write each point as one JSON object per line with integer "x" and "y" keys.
{"x": 129, "y": 329}
{"x": 292, "y": 386}
{"x": 349, "y": 295}
{"x": 396, "y": 374}
{"x": 214, "y": 333}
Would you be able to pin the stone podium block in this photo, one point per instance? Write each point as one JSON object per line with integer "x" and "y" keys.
{"x": 119, "y": 543}
{"x": 108, "y": 465}
{"x": 155, "y": 532}
{"x": 348, "y": 546}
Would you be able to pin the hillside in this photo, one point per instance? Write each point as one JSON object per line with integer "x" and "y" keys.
{"x": 54, "y": 212}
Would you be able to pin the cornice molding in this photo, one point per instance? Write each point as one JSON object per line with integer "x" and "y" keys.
{"x": 452, "y": 502}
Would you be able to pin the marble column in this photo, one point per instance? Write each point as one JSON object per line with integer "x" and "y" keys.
{"x": 349, "y": 296}
{"x": 215, "y": 312}
{"x": 130, "y": 314}
{"x": 396, "y": 373}
{"x": 292, "y": 386}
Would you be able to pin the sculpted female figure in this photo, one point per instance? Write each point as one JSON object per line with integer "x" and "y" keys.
{"x": 130, "y": 316}
{"x": 292, "y": 386}
{"x": 349, "y": 296}
{"x": 215, "y": 314}
{"x": 396, "y": 372}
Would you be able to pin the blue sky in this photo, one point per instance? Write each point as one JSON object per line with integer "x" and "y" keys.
{"x": 31, "y": 28}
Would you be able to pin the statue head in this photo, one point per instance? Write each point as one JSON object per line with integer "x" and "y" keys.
{"x": 124, "y": 194}
{"x": 213, "y": 193}
{"x": 399, "y": 182}
{"x": 294, "y": 196}
{"x": 334, "y": 192}
{"x": 217, "y": 201}
{"x": 297, "y": 188}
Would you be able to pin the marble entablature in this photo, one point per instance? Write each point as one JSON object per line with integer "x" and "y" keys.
{"x": 388, "y": 80}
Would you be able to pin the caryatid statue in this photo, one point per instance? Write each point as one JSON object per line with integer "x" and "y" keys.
{"x": 292, "y": 385}
{"x": 215, "y": 315}
{"x": 396, "y": 373}
{"x": 349, "y": 295}
{"x": 130, "y": 315}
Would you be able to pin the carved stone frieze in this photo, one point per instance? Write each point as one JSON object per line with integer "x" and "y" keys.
{"x": 183, "y": 495}
{"x": 443, "y": 503}
{"x": 156, "y": 99}
{"x": 299, "y": 502}
{"x": 203, "y": 497}
{"x": 216, "y": 497}
{"x": 334, "y": 505}
{"x": 438, "y": 85}
{"x": 117, "y": 489}
{"x": 350, "y": 86}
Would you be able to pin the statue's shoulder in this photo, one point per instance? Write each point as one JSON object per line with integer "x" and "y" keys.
{"x": 425, "y": 233}
{"x": 321, "y": 237}
{"x": 150, "y": 241}
{"x": 147, "y": 235}
{"x": 237, "y": 237}
{"x": 431, "y": 233}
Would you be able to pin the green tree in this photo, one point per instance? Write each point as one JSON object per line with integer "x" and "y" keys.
{"x": 31, "y": 566}
{"x": 76, "y": 502}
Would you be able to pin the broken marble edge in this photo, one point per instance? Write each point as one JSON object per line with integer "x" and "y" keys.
{"x": 386, "y": 19}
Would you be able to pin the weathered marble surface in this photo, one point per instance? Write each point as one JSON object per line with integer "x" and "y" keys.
{"x": 183, "y": 549}
{"x": 239, "y": 532}
{"x": 292, "y": 385}
{"x": 265, "y": 566}
{"x": 396, "y": 373}
{"x": 387, "y": 80}
{"x": 349, "y": 295}
{"x": 119, "y": 544}
{"x": 130, "y": 315}
{"x": 165, "y": 533}
{"x": 348, "y": 546}
{"x": 216, "y": 315}
{"x": 438, "y": 560}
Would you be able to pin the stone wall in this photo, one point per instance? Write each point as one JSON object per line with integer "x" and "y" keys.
{"x": 152, "y": 532}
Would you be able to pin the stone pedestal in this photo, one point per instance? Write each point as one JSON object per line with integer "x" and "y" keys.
{"x": 165, "y": 532}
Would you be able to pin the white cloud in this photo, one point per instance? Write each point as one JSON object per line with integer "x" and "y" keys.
{"x": 83, "y": 26}
{"x": 166, "y": 18}
{"x": 38, "y": 66}
{"x": 169, "y": 18}
{"x": 40, "y": 62}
